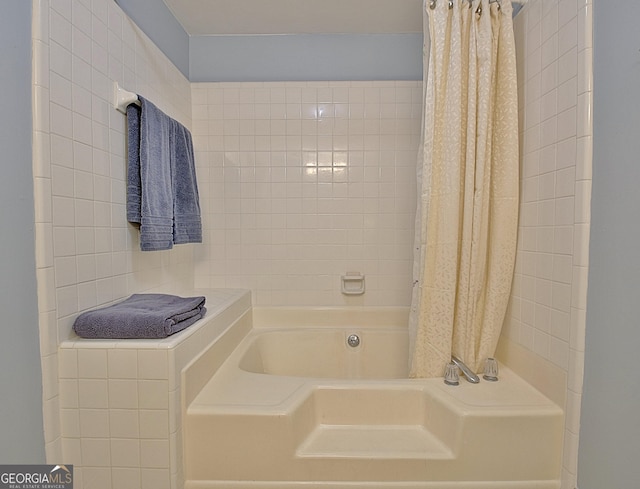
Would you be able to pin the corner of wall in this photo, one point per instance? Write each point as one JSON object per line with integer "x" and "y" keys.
{"x": 547, "y": 310}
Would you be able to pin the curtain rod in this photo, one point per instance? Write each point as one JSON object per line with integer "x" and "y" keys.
{"x": 517, "y": 2}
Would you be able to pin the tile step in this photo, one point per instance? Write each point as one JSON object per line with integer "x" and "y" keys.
{"x": 373, "y": 441}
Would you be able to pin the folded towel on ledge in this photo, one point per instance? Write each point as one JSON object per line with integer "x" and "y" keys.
{"x": 141, "y": 316}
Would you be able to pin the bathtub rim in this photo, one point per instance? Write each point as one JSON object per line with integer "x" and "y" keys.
{"x": 548, "y": 378}
{"x": 464, "y": 396}
{"x": 285, "y": 317}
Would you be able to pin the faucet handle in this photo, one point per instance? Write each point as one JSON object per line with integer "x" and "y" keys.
{"x": 451, "y": 376}
{"x": 491, "y": 370}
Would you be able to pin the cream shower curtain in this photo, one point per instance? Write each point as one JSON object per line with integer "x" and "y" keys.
{"x": 467, "y": 217}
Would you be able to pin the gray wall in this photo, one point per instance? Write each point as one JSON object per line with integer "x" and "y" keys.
{"x": 610, "y": 425}
{"x": 303, "y": 57}
{"x": 21, "y": 432}
{"x": 156, "y": 21}
{"x": 299, "y": 57}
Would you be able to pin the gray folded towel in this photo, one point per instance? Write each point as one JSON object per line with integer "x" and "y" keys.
{"x": 141, "y": 316}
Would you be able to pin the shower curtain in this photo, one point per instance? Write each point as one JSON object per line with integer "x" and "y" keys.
{"x": 467, "y": 216}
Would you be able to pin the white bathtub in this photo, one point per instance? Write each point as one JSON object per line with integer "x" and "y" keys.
{"x": 325, "y": 353}
{"x": 294, "y": 406}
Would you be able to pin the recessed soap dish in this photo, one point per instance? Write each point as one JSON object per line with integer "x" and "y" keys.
{"x": 353, "y": 283}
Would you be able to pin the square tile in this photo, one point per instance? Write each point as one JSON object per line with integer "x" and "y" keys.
{"x": 123, "y": 394}
{"x": 92, "y": 364}
{"x": 125, "y": 452}
{"x": 154, "y": 454}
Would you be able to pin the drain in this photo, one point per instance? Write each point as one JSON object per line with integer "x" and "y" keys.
{"x": 353, "y": 340}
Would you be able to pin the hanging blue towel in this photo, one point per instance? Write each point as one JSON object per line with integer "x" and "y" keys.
{"x": 187, "y": 224}
{"x": 134, "y": 184}
{"x": 162, "y": 192}
{"x": 150, "y": 196}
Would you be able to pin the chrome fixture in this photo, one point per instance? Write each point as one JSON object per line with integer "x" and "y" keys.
{"x": 491, "y": 370}
{"x": 466, "y": 371}
{"x": 451, "y": 376}
{"x": 353, "y": 340}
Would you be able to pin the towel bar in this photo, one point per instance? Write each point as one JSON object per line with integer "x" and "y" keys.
{"x": 122, "y": 98}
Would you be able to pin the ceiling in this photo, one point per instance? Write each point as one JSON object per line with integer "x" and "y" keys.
{"x": 253, "y": 17}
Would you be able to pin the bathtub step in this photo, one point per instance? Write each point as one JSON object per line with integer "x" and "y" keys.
{"x": 373, "y": 441}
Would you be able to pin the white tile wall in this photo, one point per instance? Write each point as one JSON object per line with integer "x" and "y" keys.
{"x": 303, "y": 182}
{"x": 548, "y": 302}
{"x": 87, "y": 254}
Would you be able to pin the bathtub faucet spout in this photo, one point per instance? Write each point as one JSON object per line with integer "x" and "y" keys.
{"x": 466, "y": 371}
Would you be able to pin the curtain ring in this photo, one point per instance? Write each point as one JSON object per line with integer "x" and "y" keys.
{"x": 450, "y": 4}
{"x": 432, "y": 4}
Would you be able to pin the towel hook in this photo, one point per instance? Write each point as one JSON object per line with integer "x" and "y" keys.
{"x": 122, "y": 98}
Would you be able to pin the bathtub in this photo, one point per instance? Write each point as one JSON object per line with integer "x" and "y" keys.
{"x": 325, "y": 353}
{"x": 295, "y": 404}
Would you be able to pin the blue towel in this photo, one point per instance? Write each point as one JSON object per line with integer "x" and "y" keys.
{"x": 162, "y": 192}
{"x": 187, "y": 224}
{"x": 134, "y": 184}
{"x": 150, "y": 196}
{"x": 141, "y": 316}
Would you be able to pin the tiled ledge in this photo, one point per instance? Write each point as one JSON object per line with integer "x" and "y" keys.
{"x": 120, "y": 400}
